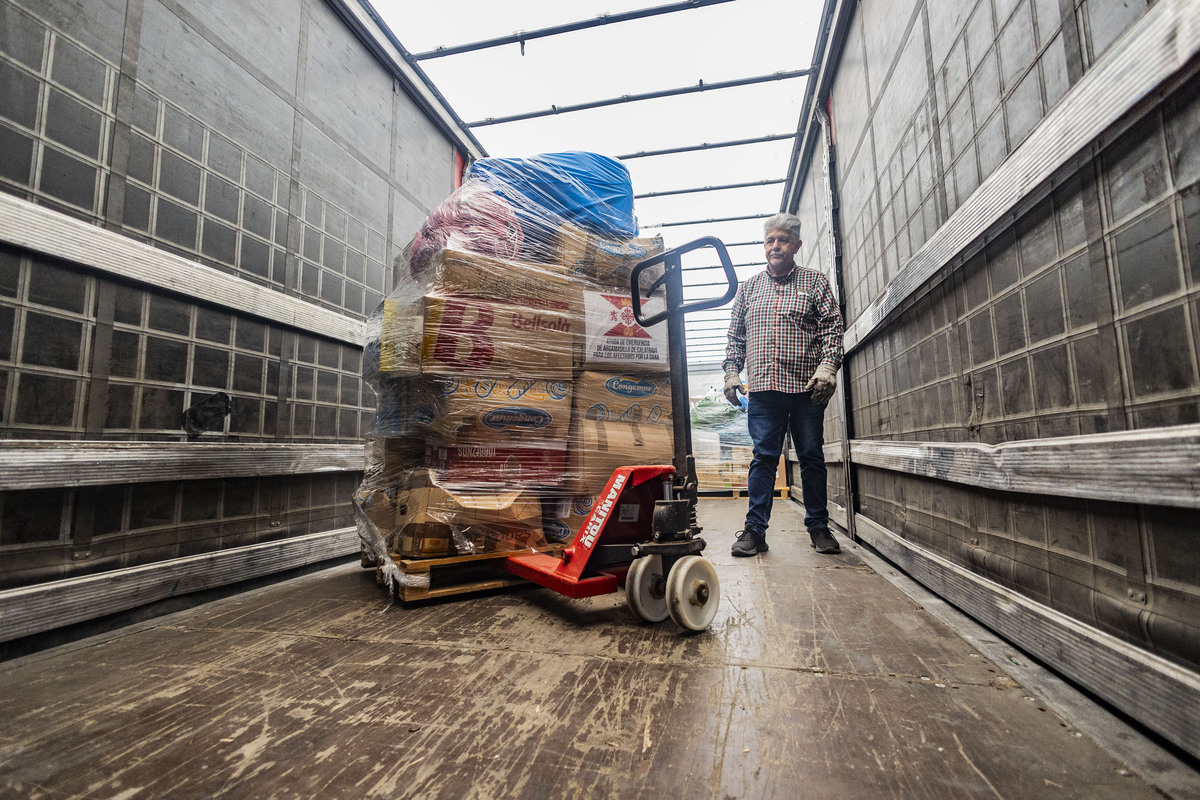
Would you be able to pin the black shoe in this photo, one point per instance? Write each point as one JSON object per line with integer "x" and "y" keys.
{"x": 824, "y": 542}
{"x": 750, "y": 542}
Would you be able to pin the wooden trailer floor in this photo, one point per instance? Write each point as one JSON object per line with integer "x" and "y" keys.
{"x": 818, "y": 679}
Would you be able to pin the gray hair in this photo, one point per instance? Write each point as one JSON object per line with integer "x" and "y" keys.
{"x": 789, "y": 223}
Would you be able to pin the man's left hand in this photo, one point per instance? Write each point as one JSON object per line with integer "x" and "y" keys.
{"x": 822, "y": 384}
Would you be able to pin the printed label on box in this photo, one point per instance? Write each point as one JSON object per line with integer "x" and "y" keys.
{"x": 465, "y": 336}
{"x": 614, "y": 340}
{"x": 542, "y": 464}
{"x": 642, "y": 397}
{"x": 477, "y": 410}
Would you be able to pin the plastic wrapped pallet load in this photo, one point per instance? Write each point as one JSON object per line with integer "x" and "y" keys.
{"x": 504, "y": 403}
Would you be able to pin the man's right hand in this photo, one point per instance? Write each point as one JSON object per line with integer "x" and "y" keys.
{"x": 733, "y": 385}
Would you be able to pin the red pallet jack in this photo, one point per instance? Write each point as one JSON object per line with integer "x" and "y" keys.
{"x": 643, "y": 526}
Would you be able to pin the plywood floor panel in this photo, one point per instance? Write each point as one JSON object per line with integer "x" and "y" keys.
{"x": 818, "y": 678}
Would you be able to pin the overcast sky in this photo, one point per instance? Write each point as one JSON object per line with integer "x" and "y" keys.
{"x": 736, "y": 39}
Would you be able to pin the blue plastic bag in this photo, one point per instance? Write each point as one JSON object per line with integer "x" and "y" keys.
{"x": 587, "y": 189}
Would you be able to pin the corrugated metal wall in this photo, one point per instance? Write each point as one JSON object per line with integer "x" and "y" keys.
{"x": 273, "y": 163}
{"x": 1013, "y": 277}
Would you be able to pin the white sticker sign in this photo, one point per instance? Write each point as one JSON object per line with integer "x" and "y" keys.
{"x": 614, "y": 340}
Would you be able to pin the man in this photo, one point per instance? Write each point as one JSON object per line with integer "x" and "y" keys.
{"x": 786, "y": 330}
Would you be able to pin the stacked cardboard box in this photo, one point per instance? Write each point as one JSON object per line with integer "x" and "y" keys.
{"x": 425, "y": 520}
{"x": 622, "y": 403}
{"x": 508, "y": 393}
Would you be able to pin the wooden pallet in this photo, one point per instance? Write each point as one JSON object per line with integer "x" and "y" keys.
{"x": 431, "y": 578}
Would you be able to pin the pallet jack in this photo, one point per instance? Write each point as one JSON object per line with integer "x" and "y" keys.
{"x": 643, "y": 525}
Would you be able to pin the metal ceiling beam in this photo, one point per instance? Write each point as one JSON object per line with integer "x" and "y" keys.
{"x": 774, "y": 137}
{"x": 633, "y": 98}
{"x": 521, "y": 37}
{"x": 709, "y": 322}
{"x": 694, "y": 318}
{"x": 706, "y": 221}
{"x": 746, "y": 185}
{"x": 720, "y": 266}
{"x": 707, "y": 285}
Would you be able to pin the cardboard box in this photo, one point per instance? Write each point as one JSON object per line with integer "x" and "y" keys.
{"x": 516, "y": 283}
{"x": 710, "y": 479}
{"x": 612, "y": 339}
{"x": 529, "y": 463}
{"x": 623, "y": 397}
{"x": 379, "y": 506}
{"x": 607, "y": 262}
{"x": 598, "y": 448}
{"x": 563, "y": 516}
{"x": 531, "y": 539}
{"x": 423, "y": 540}
{"x": 463, "y": 336}
{"x": 407, "y": 406}
{"x": 389, "y": 461}
{"x": 401, "y": 330}
{"x": 436, "y": 520}
{"x": 495, "y": 410}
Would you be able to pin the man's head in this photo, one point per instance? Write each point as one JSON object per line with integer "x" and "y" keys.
{"x": 781, "y": 242}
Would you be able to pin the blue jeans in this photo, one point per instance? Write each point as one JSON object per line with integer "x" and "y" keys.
{"x": 769, "y": 415}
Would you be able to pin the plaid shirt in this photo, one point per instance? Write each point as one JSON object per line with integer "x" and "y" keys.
{"x": 782, "y": 328}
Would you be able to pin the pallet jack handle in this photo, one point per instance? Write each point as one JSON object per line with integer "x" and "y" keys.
{"x": 673, "y": 270}
{"x": 676, "y": 308}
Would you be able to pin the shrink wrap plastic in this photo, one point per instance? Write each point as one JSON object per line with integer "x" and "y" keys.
{"x": 722, "y": 445}
{"x": 511, "y": 377}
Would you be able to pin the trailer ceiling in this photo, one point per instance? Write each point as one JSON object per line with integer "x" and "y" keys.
{"x": 701, "y": 101}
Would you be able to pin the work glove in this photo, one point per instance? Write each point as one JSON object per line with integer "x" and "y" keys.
{"x": 733, "y": 385}
{"x": 822, "y": 384}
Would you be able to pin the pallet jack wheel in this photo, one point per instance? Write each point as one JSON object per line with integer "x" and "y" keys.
{"x": 646, "y": 589}
{"x": 693, "y": 593}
